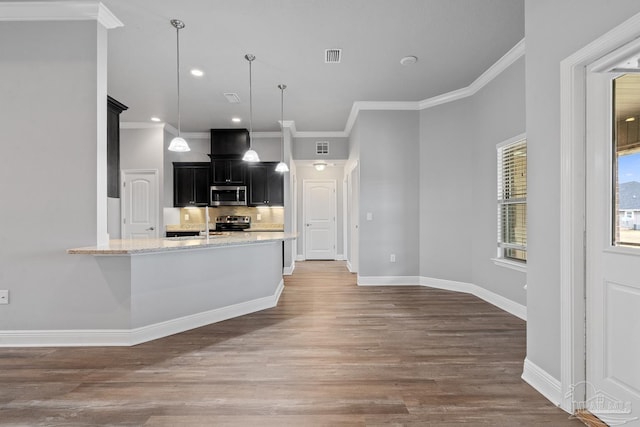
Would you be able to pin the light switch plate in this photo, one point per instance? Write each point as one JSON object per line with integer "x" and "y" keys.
{"x": 4, "y": 296}
{"x": 369, "y": 216}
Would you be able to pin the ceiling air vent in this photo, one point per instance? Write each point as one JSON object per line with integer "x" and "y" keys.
{"x": 322, "y": 147}
{"x": 233, "y": 98}
{"x": 332, "y": 56}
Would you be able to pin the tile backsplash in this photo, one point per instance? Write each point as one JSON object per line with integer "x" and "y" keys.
{"x": 268, "y": 215}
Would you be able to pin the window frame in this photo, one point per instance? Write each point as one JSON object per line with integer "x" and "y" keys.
{"x": 500, "y": 259}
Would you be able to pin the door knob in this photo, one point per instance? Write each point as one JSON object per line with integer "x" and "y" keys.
{"x": 308, "y": 225}
{"x": 150, "y": 229}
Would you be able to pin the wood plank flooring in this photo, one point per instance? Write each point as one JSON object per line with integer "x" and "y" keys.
{"x": 330, "y": 354}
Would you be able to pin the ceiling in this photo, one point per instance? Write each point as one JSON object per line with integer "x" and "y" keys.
{"x": 455, "y": 42}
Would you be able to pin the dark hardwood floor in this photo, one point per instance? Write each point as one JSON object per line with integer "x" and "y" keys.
{"x": 330, "y": 354}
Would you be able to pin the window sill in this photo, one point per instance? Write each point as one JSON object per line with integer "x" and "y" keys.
{"x": 514, "y": 265}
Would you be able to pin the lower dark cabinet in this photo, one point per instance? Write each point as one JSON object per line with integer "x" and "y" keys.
{"x": 265, "y": 185}
{"x": 191, "y": 183}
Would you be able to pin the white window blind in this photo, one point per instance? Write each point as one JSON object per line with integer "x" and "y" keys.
{"x": 512, "y": 201}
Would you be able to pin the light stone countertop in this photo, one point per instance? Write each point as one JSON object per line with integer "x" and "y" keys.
{"x": 147, "y": 246}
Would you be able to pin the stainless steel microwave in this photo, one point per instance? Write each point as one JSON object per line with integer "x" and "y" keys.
{"x": 228, "y": 195}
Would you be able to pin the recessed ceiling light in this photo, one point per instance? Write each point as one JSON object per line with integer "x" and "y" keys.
{"x": 236, "y": 120}
{"x": 155, "y": 119}
{"x": 630, "y": 119}
{"x": 197, "y": 73}
{"x": 409, "y": 60}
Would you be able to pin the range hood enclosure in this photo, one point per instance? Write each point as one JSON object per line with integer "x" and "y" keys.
{"x": 229, "y": 143}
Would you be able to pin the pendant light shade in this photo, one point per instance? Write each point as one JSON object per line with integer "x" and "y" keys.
{"x": 282, "y": 166}
{"x": 178, "y": 143}
{"x": 250, "y": 155}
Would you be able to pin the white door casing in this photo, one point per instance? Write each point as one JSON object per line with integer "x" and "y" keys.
{"x": 140, "y": 219}
{"x": 573, "y": 210}
{"x": 319, "y": 213}
{"x": 612, "y": 277}
{"x": 354, "y": 216}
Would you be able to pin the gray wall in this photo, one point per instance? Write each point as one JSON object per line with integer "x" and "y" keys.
{"x": 499, "y": 114}
{"x": 389, "y": 182}
{"x": 446, "y": 191}
{"x": 335, "y": 173}
{"x": 55, "y": 79}
{"x": 554, "y": 30}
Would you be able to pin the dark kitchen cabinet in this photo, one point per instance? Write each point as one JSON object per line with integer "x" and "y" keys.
{"x": 229, "y": 172}
{"x": 265, "y": 185}
{"x": 191, "y": 182}
{"x": 229, "y": 143}
{"x": 114, "y": 109}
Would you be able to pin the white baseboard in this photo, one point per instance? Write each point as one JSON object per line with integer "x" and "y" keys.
{"x": 388, "y": 280}
{"x": 300, "y": 258}
{"x": 499, "y": 301}
{"x": 350, "y": 267}
{"x": 544, "y": 383}
{"x": 129, "y": 337}
{"x": 288, "y": 271}
{"x": 340, "y": 257}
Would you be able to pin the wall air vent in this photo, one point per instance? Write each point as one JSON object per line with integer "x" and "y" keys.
{"x": 233, "y": 98}
{"x": 322, "y": 147}
{"x": 332, "y": 56}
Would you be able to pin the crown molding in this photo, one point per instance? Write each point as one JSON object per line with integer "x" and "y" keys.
{"x": 377, "y": 105}
{"x": 59, "y": 11}
{"x": 322, "y": 134}
{"x": 141, "y": 125}
{"x": 491, "y": 73}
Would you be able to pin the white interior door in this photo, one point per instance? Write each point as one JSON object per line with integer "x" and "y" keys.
{"x": 139, "y": 204}
{"x": 354, "y": 215}
{"x": 319, "y": 211}
{"x": 612, "y": 273}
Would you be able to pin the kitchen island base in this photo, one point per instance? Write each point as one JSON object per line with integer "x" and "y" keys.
{"x": 151, "y": 295}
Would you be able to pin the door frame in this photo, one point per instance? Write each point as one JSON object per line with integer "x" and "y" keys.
{"x": 616, "y": 45}
{"x": 335, "y": 213}
{"x": 123, "y": 176}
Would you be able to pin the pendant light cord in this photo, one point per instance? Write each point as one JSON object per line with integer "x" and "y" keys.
{"x": 178, "y": 71}
{"x": 250, "y": 58}
{"x": 282, "y": 88}
{"x": 178, "y": 25}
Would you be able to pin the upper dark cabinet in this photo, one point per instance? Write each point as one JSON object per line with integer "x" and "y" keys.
{"x": 114, "y": 109}
{"x": 191, "y": 183}
{"x": 265, "y": 185}
{"x": 229, "y": 172}
{"x": 229, "y": 143}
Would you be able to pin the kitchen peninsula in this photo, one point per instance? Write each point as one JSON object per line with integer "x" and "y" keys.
{"x": 167, "y": 286}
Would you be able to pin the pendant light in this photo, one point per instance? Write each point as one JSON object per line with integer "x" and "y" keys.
{"x": 250, "y": 155}
{"x": 282, "y": 166}
{"x": 178, "y": 143}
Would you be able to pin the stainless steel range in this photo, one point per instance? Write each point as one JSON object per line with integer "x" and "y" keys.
{"x": 233, "y": 223}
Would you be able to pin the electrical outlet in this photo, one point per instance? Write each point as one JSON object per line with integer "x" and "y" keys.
{"x": 186, "y": 217}
{"x": 258, "y": 217}
{"x": 392, "y": 258}
{"x": 4, "y": 296}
